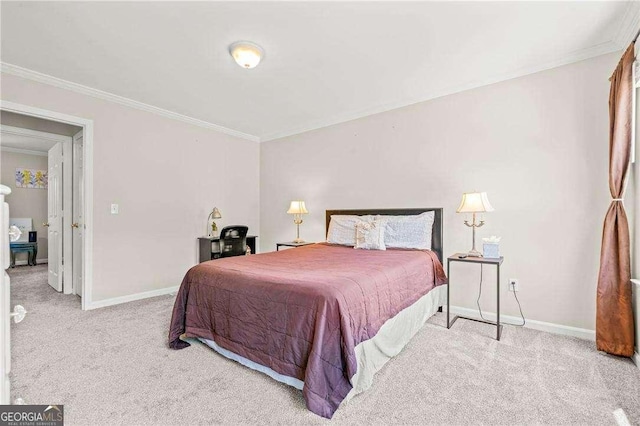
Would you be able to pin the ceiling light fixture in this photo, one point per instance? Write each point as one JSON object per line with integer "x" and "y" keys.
{"x": 246, "y": 54}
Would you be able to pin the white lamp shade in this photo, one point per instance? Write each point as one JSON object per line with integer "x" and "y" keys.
{"x": 246, "y": 54}
{"x": 297, "y": 207}
{"x": 474, "y": 202}
{"x": 215, "y": 214}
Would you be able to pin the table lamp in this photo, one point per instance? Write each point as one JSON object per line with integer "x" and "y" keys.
{"x": 213, "y": 230}
{"x": 297, "y": 209}
{"x": 474, "y": 202}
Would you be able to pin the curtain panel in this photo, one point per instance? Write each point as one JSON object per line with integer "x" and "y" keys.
{"x": 614, "y": 317}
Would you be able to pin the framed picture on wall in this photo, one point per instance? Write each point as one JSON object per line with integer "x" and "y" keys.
{"x": 30, "y": 178}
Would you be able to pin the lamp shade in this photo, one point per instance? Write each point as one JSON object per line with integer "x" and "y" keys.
{"x": 246, "y": 54}
{"x": 215, "y": 214}
{"x": 474, "y": 202}
{"x": 297, "y": 207}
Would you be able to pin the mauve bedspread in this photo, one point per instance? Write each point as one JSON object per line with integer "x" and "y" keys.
{"x": 302, "y": 311}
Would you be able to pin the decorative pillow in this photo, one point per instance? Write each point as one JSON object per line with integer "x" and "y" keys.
{"x": 370, "y": 234}
{"x": 342, "y": 229}
{"x": 413, "y": 231}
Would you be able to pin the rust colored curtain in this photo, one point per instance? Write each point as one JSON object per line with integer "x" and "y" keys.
{"x": 614, "y": 317}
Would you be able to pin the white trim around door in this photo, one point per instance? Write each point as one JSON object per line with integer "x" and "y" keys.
{"x": 87, "y": 126}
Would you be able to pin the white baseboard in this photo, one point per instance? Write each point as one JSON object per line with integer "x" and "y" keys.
{"x": 636, "y": 359}
{"x": 24, "y": 262}
{"x": 565, "y": 330}
{"x": 131, "y": 297}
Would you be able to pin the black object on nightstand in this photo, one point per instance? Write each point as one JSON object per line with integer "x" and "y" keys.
{"x": 461, "y": 257}
{"x": 291, "y": 244}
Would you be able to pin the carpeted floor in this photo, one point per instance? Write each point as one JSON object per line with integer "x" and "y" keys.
{"x": 112, "y": 366}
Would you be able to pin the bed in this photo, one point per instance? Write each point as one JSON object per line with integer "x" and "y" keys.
{"x": 323, "y": 317}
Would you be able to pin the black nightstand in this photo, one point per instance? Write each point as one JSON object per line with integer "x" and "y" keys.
{"x": 480, "y": 260}
{"x": 291, "y": 244}
{"x": 207, "y": 252}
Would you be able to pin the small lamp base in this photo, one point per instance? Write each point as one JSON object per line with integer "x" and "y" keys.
{"x": 474, "y": 253}
{"x": 298, "y": 240}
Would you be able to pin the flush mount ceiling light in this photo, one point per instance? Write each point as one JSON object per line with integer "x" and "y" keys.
{"x": 246, "y": 54}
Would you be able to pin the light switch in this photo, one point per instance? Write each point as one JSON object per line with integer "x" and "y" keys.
{"x": 114, "y": 209}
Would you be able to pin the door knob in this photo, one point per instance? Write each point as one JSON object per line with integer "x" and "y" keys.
{"x": 46, "y": 224}
{"x": 18, "y": 314}
{"x": 75, "y": 225}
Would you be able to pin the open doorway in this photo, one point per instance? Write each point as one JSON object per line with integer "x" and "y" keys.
{"x": 42, "y": 162}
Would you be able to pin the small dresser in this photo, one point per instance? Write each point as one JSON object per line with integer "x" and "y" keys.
{"x": 209, "y": 247}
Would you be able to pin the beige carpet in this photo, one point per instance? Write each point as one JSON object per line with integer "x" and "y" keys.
{"x": 112, "y": 366}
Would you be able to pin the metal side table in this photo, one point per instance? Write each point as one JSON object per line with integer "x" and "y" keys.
{"x": 480, "y": 260}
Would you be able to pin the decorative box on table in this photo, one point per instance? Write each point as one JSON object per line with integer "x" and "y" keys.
{"x": 491, "y": 247}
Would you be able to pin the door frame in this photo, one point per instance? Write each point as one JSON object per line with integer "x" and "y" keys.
{"x": 87, "y": 128}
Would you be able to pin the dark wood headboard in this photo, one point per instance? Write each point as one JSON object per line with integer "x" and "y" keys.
{"x": 436, "y": 236}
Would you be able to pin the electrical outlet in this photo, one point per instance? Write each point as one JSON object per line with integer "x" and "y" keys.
{"x": 115, "y": 209}
{"x": 514, "y": 284}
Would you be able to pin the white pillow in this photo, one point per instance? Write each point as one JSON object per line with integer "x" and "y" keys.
{"x": 342, "y": 229}
{"x": 413, "y": 231}
{"x": 370, "y": 234}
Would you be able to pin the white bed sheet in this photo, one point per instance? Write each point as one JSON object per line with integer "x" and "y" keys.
{"x": 371, "y": 354}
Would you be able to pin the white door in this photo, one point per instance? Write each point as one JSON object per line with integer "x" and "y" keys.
{"x": 54, "y": 217}
{"x": 78, "y": 213}
{"x": 18, "y": 311}
{"x": 67, "y": 216}
{"x": 5, "y": 339}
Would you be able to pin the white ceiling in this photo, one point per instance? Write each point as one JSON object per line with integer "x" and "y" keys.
{"x": 324, "y": 63}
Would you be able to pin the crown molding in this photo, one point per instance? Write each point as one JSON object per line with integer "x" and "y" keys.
{"x": 629, "y": 25}
{"x": 23, "y": 151}
{"x": 577, "y": 56}
{"x": 96, "y": 93}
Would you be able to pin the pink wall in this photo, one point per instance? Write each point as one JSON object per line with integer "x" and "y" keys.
{"x": 26, "y": 202}
{"x": 537, "y": 144}
{"x": 165, "y": 174}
